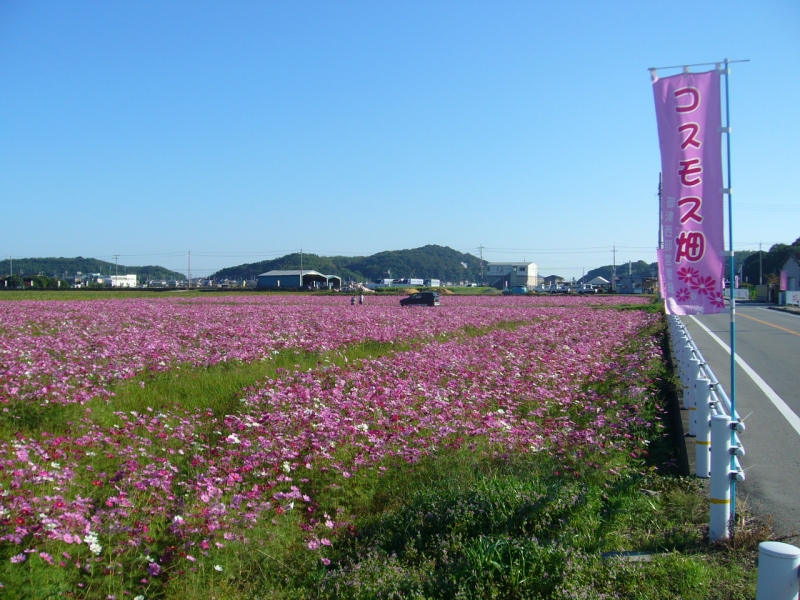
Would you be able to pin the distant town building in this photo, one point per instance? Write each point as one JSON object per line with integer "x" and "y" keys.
{"x": 119, "y": 281}
{"x": 601, "y": 282}
{"x": 636, "y": 284}
{"x": 553, "y": 280}
{"x": 508, "y": 275}
{"x": 792, "y": 268}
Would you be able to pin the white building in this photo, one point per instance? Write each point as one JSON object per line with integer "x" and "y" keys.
{"x": 502, "y": 275}
{"x": 120, "y": 280}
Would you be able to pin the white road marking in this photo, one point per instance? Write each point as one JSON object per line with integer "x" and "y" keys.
{"x": 784, "y": 409}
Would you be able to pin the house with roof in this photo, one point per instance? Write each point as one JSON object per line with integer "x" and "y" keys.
{"x": 790, "y": 280}
{"x": 507, "y": 275}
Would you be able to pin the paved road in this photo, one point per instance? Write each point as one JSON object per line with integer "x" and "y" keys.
{"x": 768, "y": 341}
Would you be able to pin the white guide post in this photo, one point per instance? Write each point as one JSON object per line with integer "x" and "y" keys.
{"x": 778, "y": 571}
{"x": 720, "y": 477}
{"x": 702, "y": 441}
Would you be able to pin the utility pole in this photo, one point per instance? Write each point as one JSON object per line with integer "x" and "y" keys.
{"x": 189, "y": 270}
{"x": 481, "y": 249}
{"x": 659, "y": 212}
{"x": 116, "y": 265}
{"x": 760, "y": 270}
{"x": 614, "y": 269}
{"x": 660, "y": 245}
{"x": 301, "y": 267}
{"x": 10, "y": 266}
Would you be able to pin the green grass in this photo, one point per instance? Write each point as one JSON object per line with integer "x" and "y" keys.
{"x": 458, "y": 527}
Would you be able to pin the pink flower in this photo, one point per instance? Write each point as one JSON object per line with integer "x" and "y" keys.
{"x": 704, "y": 285}
{"x": 687, "y": 274}
{"x": 717, "y": 299}
{"x": 46, "y": 557}
{"x": 19, "y": 558}
{"x": 682, "y": 295}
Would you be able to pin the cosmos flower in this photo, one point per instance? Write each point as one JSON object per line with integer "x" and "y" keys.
{"x": 688, "y": 274}
{"x": 704, "y": 285}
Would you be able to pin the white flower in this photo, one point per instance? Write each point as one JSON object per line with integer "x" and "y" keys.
{"x": 91, "y": 540}
{"x": 139, "y": 597}
{"x": 286, "y": 466}
{"x": 176, "y": 519}
{"x": 218, "y": 568}
{"x": 55, "y": 465}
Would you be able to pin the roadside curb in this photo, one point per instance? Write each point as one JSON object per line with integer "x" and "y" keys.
{"x": 786, "y": 309}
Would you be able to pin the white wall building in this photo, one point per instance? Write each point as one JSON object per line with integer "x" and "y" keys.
{"x": 121, "y": 280}
{"x": 509, "y": 274}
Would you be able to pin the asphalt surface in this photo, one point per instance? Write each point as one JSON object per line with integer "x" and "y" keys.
{"x": 769, "y": 342}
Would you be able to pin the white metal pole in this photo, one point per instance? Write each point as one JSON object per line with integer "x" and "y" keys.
{"x": 702, "y": 442}
{"x": 720, "y": 477}
{"x": 778, "y": 570}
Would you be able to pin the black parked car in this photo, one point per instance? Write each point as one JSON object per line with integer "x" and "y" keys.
{"x": 421, "y": 298}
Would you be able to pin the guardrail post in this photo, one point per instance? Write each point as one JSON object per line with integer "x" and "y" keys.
{"x": 702, "y": 442}
{"x": 684, "y": 350}
{"x": 778, "y": 571}
{"x": 692, "y": 374}
{"x": 720, "y": 477}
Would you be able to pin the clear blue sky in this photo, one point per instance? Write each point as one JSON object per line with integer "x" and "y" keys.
{"x": 242, "y": 131}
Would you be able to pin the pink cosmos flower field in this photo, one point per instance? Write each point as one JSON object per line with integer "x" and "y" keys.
{"x": 74, "y": 351}
{"x": 161, "y": 486}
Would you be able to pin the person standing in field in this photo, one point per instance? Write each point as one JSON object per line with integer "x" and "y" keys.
{"x": 361, "y": 299}
{"x": 353, "y": 301}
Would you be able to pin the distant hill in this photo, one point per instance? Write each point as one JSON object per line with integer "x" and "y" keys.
{"x": 427, "y": 262}
{"x": 638, "y": 268}
{"x": 329, "y": 265}
{"x": 61, "y": 268}
{"x": 641, "y": 268}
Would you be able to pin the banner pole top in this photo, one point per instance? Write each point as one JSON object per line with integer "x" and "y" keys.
{"x": 685, "y": 67}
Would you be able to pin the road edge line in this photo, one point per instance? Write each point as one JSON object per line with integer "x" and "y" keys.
{"x": 782, "y": 407}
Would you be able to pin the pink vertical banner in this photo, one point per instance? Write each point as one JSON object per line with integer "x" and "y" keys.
{"x": 784, "y": 280}
{"x": 691, "y": 266}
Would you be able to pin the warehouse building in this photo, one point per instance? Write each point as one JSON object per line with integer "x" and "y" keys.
{"x": 297, "y": 279}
